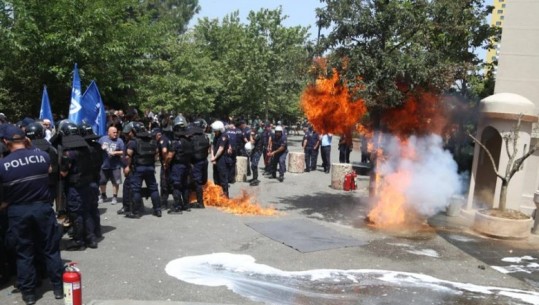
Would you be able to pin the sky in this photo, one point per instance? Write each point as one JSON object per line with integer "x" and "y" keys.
{"x": 299, "y": 12}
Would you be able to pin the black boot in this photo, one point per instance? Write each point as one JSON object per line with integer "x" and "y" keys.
{"x": 185, "y": 202}
{"x": 200, "y": 199}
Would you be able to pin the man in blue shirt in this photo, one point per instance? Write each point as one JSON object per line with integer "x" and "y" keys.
{"x": 24, "y": 175}
{"x": 113, "y": 148}
{"x": 326, "y": 151}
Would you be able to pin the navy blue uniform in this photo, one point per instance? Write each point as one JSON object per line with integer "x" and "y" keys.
{"x": 24, "y": 175}
{"x": 279, "y": 158}
{"x": 199, "y": 162}
{"x": 220, "y": 168}
{"x": 143, "y": 171}
{"x": 266, "y": 135}
{"x": 166, "y": 188}
{"x": 179, "y": 172}
{"x": 256, "y": 153}
{"x": 81, "y": 197}
{"x": 311, "y": 142}
{"x": 234, "y": 139}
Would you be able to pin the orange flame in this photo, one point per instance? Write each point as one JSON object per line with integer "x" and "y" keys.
{"x": 329, "y": 107}
{"x": 241, "y": 205}
{"x": 421, "y": 113}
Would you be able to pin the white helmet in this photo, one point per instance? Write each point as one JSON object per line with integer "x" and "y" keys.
{"x": 218, "y": 126}
{"x": 248, "y": 147}
{"x": 279, "y": 128}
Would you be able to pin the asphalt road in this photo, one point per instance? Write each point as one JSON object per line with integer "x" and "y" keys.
{"x": 129, "y": 265}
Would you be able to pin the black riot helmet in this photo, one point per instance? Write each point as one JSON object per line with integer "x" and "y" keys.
{"x": 85, "y": 129}
{"x": 68, "y": 128}
{"x": 180, "y": 123}
{"x": 200, "y": 123}
{"x": 35, "y": 131}
{"x": 135, "y": 127}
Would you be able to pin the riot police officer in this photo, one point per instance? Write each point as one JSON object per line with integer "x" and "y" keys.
{"x": 96, "y": 155}
{"x": 220, "y": 147}
{"x": 36, "y": 133}
{"x": 77, "y": 169}
{"x": 26, "y": 195}
{"x": 235, "y": 140}
{"x": 140, "y": 163}
{"x": 163, "y": 147}
{"x": 178, "y": 160}
{"x": 199, "y": 160}
{"x": 279, "y": 150}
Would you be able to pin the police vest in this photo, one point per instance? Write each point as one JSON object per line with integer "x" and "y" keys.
{"x": 145, "y": 151}
{"x": 96, "y": 156}
{"x": 80, "y": 173}
{"x": 183, "y": 150}
{"x": 201, "y": 144}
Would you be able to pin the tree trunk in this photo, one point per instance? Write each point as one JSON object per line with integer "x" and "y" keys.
{"x": 503, "y": 195}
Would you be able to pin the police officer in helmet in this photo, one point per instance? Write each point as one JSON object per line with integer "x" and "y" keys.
{"x": 219, "y": 149}
{"x": 76, "y": 168}
{"x": 179, "y": 161}
{"x": 140, "y": 163}
{"x": 36, "y": 133}
{"x": 199, "y": 160}
{"x": 279, "y": 150}
{"x": 96, "y": 155}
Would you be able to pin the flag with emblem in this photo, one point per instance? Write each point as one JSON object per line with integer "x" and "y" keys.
{"x": 75, "y": 114}
{"x": 45, "y": 112}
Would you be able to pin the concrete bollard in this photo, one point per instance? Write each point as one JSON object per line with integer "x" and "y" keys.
{"x": 338, "y": 171}
{"x": 241, "y": 169}
{"x": 456, "y": 202}
{"x": 296, "y": 162}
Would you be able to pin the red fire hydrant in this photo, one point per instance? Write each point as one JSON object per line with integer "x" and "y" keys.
{"x": 350, "y": 181}
{"x": 72, "y": 285}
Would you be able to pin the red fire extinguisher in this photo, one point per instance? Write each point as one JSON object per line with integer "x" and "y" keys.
{"x": 72, "y": 285}
{"x": 350, "y": 181}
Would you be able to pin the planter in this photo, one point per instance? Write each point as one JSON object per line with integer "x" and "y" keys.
{"x": 501, "y": 227}
{"x": 453, "y": 208}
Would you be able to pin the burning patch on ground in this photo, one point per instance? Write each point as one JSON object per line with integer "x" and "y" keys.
{"x": 263, "y": 283}
{"x": 241, "y": 205}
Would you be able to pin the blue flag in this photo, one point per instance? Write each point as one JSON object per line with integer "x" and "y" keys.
{"x": 93, "y": 110}
{"x": 75, "y": 106}
{"x": 45, "y": 112}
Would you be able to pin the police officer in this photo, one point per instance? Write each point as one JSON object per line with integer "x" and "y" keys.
{"x": 178, "y": 160}
{"x": 244, "y": 133}
{"x": 199, "y": 160}
{"x": 140, "y": 163}
{"x": 311, "y": 142}
{"x": 77, "y": 169}
{"x": 266, "y": 135}
{"x": 279, "y": 150}
{"x": 36, "y": 133}
{"x": 24, "y": 175}
{"x": 163, "y": 147}
{"x": 234, "y": 141}
{"x": 220, "y": 147}
{"x": 256, "y": 152}
{"x": 96, "y": 154}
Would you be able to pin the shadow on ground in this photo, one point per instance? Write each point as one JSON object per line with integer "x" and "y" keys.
{"x": 342, "y": 208}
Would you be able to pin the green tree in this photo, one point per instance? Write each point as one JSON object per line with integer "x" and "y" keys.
{"x": 113, "y": 42}
{"x": 392, "y": 47}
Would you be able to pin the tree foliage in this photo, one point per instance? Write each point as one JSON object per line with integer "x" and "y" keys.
{"x": 391, "y": 47}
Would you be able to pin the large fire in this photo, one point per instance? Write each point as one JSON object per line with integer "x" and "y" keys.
{"x": 329, "y": 106}
{"x": 241, "y": 205}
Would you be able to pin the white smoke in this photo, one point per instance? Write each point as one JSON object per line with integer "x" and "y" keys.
{"x": 432, "y": 173}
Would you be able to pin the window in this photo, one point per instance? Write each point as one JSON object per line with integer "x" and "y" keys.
{"x": 493, "y": 58}
{"x": 500, "y": 12}
{"x": 503, "y": 5}
{"x": 501, "y": 0}
{"x": 502, "y": 17}
{"x": 498, "y": 23}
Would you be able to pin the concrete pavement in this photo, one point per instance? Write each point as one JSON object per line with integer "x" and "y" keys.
{"x": 128, "y": 267}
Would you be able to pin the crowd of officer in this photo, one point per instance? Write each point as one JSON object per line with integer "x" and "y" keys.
{"x": 70, "y": 167}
